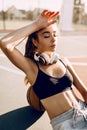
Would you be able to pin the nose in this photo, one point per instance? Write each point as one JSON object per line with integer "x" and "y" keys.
{"x": 53, "y": 38}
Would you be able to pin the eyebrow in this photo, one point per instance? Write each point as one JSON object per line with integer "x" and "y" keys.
{"x": 45, "y": 32}
{"x": 48, "y": 32}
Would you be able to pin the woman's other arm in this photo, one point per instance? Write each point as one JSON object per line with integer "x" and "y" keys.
{"x": 77, "y": 81}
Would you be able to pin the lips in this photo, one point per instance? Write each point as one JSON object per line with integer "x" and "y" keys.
{"x": 53, "y": 45}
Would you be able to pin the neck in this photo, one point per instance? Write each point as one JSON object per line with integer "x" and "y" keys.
{"x": 50, "y": 54}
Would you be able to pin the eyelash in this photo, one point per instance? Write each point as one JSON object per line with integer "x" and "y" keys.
{"x": 46, "y": 36}
{"x": 55, "y": 35}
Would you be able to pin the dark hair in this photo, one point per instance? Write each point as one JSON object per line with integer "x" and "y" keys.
{"x": 30, "y": 47}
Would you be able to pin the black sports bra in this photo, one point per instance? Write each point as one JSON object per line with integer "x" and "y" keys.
{"x": 46, "y": 86}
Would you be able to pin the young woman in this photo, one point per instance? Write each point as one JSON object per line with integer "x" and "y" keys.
{"x": 55, "y": 86}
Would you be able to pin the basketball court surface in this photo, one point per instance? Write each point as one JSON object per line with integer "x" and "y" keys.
{"x": 13, "y": 90}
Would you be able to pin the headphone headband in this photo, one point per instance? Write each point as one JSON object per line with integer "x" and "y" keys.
{"x": 44, "y": 59}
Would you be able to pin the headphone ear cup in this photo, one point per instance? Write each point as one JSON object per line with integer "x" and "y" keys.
{"x": 42, "y": 60}
{"x": 45, "y": 58}
{"x": 36, "y": 56}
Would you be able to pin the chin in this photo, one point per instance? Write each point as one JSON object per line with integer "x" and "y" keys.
{"x": 53, "y": 50}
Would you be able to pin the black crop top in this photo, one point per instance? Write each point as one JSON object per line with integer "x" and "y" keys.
{"x": 46, "y": 86}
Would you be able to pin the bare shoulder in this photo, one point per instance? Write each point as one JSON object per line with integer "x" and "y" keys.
{"x": 65, "y": 60}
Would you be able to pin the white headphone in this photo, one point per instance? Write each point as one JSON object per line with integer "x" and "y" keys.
{"x": 44, "y": 59}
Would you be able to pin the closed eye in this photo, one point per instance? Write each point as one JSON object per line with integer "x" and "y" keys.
{"x": 48, "y": 34}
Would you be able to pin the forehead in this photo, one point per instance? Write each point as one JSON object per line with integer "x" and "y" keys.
{"x": 50, "y": 29}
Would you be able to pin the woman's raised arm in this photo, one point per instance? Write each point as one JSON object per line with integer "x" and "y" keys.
{"x": 46, "y": 18}
{"x": 9, "y": 42}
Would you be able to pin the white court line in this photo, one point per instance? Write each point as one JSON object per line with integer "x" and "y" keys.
{"x": 73, "y": 63}
{"x": 79, "y": 63}
{"x": 2, "y": 55}
{"x": 22, "y": 74}
{"x": 11, "y": 70}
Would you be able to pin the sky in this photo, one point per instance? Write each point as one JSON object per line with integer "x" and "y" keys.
{"x": 31, "y": 4}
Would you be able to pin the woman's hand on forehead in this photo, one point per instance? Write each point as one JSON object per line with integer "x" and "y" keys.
{"x": 46, "y": 18}
{"x": 49, "y": 14}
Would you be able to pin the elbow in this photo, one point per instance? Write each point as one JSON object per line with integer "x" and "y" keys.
{"x": 1, "y": 44}
{"x": 9, "y": 47}
{"x": 5, "y": 46}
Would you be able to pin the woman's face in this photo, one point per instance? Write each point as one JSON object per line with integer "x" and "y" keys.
{"x": 47, "y": 39}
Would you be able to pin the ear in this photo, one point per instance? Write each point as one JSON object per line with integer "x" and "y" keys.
{"x": 35, "y": 42}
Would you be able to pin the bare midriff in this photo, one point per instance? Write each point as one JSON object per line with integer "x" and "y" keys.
{"x": 61, "y": 102}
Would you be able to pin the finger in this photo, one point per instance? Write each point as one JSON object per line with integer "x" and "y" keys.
{"x": 44, "y": 12}
{"x": 54, "y": 14}
{"x": 49, "y": 13}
